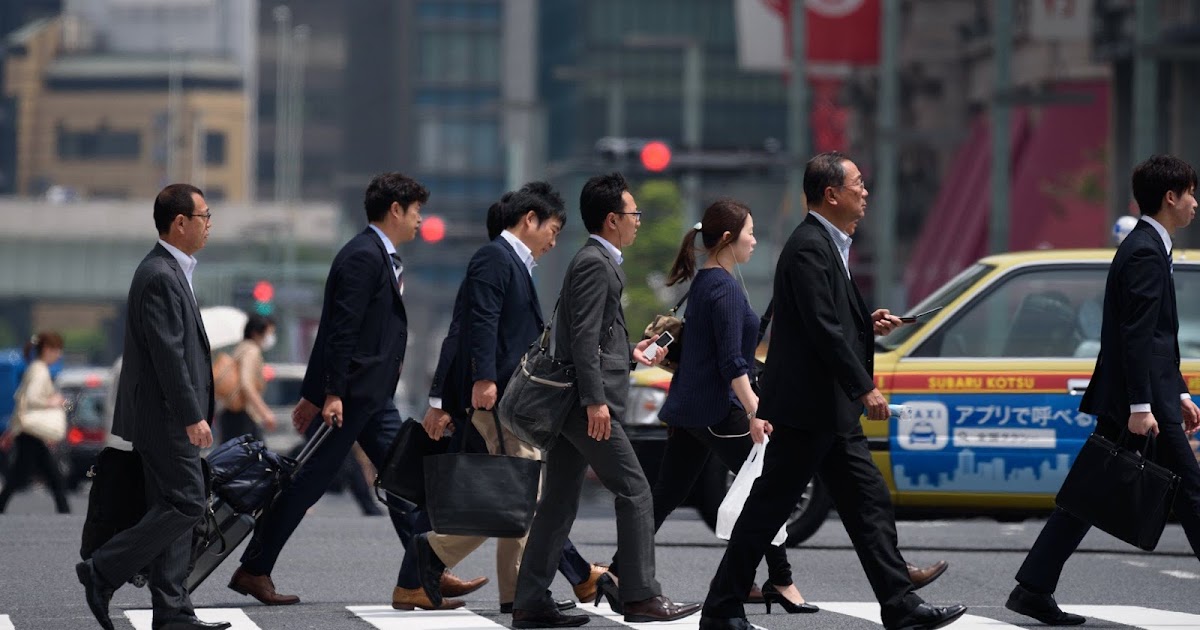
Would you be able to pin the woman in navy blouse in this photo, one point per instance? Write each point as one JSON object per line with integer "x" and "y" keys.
{"x": 710, "y": 405}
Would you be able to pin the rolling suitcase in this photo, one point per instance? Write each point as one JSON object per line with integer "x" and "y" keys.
{"x": 226, "y": 528}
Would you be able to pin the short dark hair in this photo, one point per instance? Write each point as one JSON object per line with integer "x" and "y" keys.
{"x": 256, "y": 325}
{"x": 601, "y": 195}
{"x": 495, "y": 216}
{"x": 541, "y": 198}
{"x": 392, "y": 187}
{"x": 1158, "y": 175}
{"x": 171, "y": 202}
{"x": 821, "y": 172}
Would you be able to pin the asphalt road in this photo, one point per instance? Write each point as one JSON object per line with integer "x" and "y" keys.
{"x": 343, "y": 566}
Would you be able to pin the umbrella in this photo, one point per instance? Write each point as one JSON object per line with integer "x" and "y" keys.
{"x": 225, "y": 325}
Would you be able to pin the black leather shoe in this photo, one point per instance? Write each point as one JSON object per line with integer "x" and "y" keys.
{"x": 562, "y": 604}
{"x": 1041, "y": 607}
{"x": 926, "y": 617}
{"x": 97, "y": 593}
{"x": 429, "y": 568}
{"x": 189, "y": 623}
{"x": 715, "y": 623}
{"x": 546, "y": 619}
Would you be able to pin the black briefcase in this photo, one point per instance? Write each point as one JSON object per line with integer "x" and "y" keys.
{"x": 403, "y": 473}
{"x": 478, "y": 494}
{"x": 116, "y": 501}
{"x": 1120, "y": 491}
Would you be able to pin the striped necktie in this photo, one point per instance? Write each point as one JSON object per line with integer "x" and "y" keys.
{"x": 398, "y": 267}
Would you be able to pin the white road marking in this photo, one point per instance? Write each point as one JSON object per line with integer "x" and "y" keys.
{"x": 5, "y": 623}
{"x": 141, "y": 619}
{"x": 1186, "y": 575}
{"x": 387, "y": 618}
{"x": 1139, "y": 617}
{"x": 1136, "y": 563}
{"x": 870, "y": 612}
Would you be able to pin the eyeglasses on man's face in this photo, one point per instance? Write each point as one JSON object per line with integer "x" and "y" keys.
{"x": 206, "y": 216}
{"x": 859, "y": 183}
{"x": 636, "y": 215}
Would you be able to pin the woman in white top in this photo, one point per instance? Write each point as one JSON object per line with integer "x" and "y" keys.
{"x": 245, "y": 411}
{"x": 38, "y": 423}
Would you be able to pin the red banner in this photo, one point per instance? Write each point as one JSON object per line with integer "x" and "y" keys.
{"x": 839, "y": 31}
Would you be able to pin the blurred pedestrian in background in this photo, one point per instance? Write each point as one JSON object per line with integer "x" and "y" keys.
{"x": 38, "y": 423}
{"x": 245, "y": 411}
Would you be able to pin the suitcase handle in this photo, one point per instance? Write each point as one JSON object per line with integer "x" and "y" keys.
{"x": 314, "y": 443}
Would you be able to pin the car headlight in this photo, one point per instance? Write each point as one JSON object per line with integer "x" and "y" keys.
{"x": 643, "y": 406}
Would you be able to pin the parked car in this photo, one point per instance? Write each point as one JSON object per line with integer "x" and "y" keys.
{"x": 992, "y": 382}
{"x": 86, "y": 390}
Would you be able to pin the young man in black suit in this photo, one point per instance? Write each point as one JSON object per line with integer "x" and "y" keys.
{"x": 352, "y": 372}
{"x": 1136, "y": 384}
{"x": 819, "y": 377}
{"x": 164, "y": 407}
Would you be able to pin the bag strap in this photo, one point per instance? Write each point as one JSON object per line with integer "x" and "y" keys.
{"x": 545, "y": 340}
{"x": 496, "y": 419}
{"x": 765, "y": 322}
{"x": 675, "y": 309}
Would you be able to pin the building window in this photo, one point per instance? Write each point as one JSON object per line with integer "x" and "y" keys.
{"x": 459, "y": 57}
{"x": 100, "y": 144}
{"x": 214, "y": 148}
{"x": 458, "y": 146}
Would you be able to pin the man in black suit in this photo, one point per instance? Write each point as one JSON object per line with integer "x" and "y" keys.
{"x": 164, "y": 407}
{"x": 590, "y": 333}
{"x": 1137, "y": 384}
{"x": 352, "y": 372}
{"x": 818, "y": 379}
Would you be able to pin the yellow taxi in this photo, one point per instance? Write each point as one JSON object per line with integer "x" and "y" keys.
{"x": 991, "y": 383}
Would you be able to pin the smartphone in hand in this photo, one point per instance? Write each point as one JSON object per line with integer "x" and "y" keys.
{"x": 909, "y": 319}
{"x": 664, "y": 339}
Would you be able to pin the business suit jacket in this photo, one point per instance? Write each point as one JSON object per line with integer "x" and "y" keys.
{"x": 496, "y": 317}
{"x": 363, "y": 332}
{"x": 166, "y": 376}
{"x": 1139, "y": 343}
{"x": 819, "y": 368}
{"x": 590, "y": 328}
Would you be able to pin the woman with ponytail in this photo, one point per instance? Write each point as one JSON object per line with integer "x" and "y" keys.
{"x": 38, "y": 422}
{"x": 710, "y": 406}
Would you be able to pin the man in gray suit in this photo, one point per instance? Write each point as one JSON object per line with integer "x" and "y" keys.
{"x": 591, "y": 334}
{"x": 164, "y": 406}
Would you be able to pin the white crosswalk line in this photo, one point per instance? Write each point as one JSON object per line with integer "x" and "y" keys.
{"x": 5, "y": 623}
{"x": 141, "y": 619}
{"x": 691, "y": 622}
{"x": 1139, "y": 617}
{"x": 870, "y": 612}
{"x": 386, "y": 618}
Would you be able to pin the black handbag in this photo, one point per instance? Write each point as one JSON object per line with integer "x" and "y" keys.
{"x": 540, "y": 394}
{"x": 1119, "y": 490}
{"x": 116, "y": 501}
{"x": 479, "y": 494}
{"x": 403, "y": 473}
{"x": 246, "y": 475}
{"x": 673, "y": 324}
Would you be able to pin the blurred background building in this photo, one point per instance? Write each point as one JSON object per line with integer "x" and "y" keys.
{"x": 283, "y": 110}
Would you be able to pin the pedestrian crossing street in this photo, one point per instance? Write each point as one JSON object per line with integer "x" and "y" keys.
{"x": 385, "y": 618}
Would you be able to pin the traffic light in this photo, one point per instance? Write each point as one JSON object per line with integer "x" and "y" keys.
{"x": 656, "y": 156}
{"x": 653, "y": 156}
{"x": 433, "y": 229}
{"x": 263, "y": 293}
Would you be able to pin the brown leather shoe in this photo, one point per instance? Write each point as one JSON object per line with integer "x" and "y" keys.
{"x": 586, "y": 591}
{"x": 923, "y": 577}
{"x": 260, "y": 587}
{"x": 413, "y": 598}
{"x": 453, "y": 586}
{"x": 658, "y": 609}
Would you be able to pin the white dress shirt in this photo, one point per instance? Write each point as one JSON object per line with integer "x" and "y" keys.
{"x": 612, "y": 249}
{"x": 388, "y": 246}
{"x": 1166, "y": 239}
{"x": 841, "y": 240}
{"x": 187, "y": 263}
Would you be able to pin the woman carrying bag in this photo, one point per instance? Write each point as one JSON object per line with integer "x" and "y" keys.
{"x": 38, "y": 423}
{"x": 710, "y": 405}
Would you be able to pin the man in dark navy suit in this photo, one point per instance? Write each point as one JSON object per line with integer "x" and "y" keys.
{"x": 352, "y": 372}
{"x": 1137, "y": 384}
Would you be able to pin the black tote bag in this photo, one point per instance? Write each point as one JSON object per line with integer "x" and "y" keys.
{"x": 479, "y": 494}
{"x": 540, "y": 394}
{"x": 1120, "y": 491}
{"x": 403, "y": 473}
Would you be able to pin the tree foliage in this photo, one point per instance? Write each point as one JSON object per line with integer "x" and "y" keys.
{"x": 650, "y": 257}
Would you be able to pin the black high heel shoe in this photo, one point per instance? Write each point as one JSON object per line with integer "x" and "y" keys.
{"x": 606, "y": 588}
{"x": 772, "y": 595}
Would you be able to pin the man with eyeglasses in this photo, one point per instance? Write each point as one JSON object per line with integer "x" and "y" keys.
{"x": 164, "y": 406}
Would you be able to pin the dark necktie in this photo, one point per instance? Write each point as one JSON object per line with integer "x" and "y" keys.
{"x": 1171, "y": 261}
{"x": 398, "y": 267}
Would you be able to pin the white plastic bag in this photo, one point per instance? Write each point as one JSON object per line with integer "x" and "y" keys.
{"x": 731, "y": 506}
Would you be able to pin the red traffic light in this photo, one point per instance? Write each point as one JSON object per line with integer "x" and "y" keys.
{"x": 433, "y": 229}
{"x": 656, "y": 156}
{"x": 263, "y": 291}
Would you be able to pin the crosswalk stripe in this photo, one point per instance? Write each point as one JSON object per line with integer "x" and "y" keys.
{"x": 870, "y": 612}
{"x": 691, "y": 622}
{"x": 1139, "y": 617}
{"x": 5, "y": 623}
{"x": 142, "y": 619}
{"x": 386, "y": 618}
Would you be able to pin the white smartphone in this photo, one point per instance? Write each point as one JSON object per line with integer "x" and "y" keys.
{"x": 664, "y": 339}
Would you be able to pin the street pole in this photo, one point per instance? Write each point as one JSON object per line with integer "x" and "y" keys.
{"x": 614, "y": 119}
{"x": 797, "y": 105}
{"x": 295, "y": 100}
{"x": 693, "y": 125}
{"x": 174, "y": 115}
{"x": 283, "y": 36}
{"x": 998, "y": 228}
{"x": 887, "y": 288}
{"x": 1145, "y": 82}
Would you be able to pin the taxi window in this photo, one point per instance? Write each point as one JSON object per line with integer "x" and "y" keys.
{"x": 1048, "y": 312}
{"x": 1187, "y": 299}
{"x": 943, "y": 296}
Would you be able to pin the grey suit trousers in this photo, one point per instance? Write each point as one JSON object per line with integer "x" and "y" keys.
{"x": 617, "y": 467}
{"x": 162, "y": 540}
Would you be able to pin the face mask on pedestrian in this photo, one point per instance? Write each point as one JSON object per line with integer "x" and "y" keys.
{"x": 268, "y": 341}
